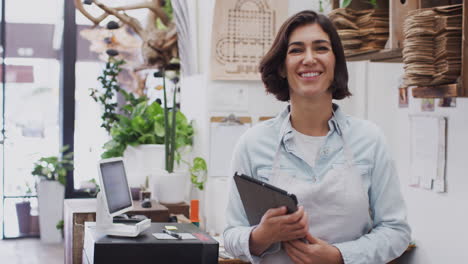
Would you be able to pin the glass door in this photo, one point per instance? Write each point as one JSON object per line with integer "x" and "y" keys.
{"x": 30, "y": 97}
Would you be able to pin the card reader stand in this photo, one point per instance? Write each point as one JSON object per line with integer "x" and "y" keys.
{"x": 104, "y": 222}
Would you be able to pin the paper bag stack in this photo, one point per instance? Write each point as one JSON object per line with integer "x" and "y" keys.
{"x": 432, "y": 46}
{"x": 361, "y": 31}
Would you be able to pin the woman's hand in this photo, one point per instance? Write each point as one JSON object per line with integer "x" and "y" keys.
{"x": 317, "y": 252}
{"x": 277, "y": 226}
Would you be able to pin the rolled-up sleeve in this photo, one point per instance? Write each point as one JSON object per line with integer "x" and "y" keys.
{"x": 237, "y": 231}
{"x": 391, "y": 234}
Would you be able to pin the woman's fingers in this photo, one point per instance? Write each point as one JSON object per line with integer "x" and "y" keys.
{"x": 282, "y": 227}
{"x": 275, "y": 212}
{"x": 294, "y": 217}
{"x": 295, "y": 252}
{"x": 312, "y": 239}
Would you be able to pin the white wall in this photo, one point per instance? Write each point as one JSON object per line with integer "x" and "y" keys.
{"x": 438, "y": 220}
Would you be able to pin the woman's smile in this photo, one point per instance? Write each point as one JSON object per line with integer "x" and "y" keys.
{"x": 310, "y": 75}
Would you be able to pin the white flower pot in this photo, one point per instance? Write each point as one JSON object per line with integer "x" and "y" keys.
{"x": 141, "y": 161}
{"x": 50, "y": 195}
{"x": 170, "y": 188}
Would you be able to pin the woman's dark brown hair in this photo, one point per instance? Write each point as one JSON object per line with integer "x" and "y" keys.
{"x": 270, "y": 66}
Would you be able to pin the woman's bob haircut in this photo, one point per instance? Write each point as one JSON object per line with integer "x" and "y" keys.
{"x": 274, "y": 60}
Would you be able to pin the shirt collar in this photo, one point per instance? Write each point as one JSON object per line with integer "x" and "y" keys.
{"x": 336, "y": 123}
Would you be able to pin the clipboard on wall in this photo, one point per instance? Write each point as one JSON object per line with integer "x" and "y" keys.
{"x": 224, "y": 134}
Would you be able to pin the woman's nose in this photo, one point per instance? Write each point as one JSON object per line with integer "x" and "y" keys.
{"x": 309, "y": 57}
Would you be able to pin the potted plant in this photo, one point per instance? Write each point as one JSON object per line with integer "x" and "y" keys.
{"x": 145, "y": 192}
{"x": 52, "y": 173}
{"x": 170, "y": 183}
{"x": 23, "y": 212}
{"x": 142, "y": 131}
{"x": 136, "y": 128}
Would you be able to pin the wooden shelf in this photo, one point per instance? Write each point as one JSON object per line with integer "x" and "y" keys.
{"x": 398, "y": 11}
{"x": 439, "y": 91}
{"x": 464, "y": 69}
{"x": 388, "y": 55}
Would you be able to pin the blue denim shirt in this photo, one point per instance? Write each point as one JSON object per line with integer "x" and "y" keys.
{"x": 254, "y": 154}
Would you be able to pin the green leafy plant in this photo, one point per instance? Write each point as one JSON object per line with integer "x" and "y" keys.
{"x": 345, "y": 3}
{"x": 137, "y": 122}
{"x": 141, "y": 122}
{"x": 198, "y": 168}
{"x": 106, "y": 97}
{"x": 373, "y": 3}
{"x": 93, "y": 191}
{"x": 59, "y": 225}
{"x": 146, "y": 125}
{"x": 167, "y": 7}
{"x": 198, "y": 172}
{"x": 54, "y": 168}
{"x": 170, "y": 128}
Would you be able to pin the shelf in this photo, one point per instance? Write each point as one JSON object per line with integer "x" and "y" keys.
{"x": 387, "y": 55}
{"x": 447, "y": 90}
{"x": 464, "y": 69}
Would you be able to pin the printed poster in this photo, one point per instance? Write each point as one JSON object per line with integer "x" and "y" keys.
{"x": 243, "y": 31}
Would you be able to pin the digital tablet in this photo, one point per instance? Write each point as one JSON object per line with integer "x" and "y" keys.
{"x": 257, "y": 197}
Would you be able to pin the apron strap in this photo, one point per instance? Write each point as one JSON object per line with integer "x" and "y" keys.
{"x": 276, "y": 160}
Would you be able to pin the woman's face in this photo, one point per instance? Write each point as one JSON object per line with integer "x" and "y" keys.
{"x": 310, "y": 62}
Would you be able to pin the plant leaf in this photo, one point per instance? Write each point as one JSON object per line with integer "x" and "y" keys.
{"x": 345, "y": 3}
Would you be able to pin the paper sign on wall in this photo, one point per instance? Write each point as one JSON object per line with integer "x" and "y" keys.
{"x": 428, "y": 141}
{"x": 243, "y": 32}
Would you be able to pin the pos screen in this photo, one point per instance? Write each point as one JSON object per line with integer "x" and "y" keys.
{"x": 115, "y": 186}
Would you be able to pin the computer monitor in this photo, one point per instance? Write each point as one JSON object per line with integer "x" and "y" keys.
{"x": 113, "y": 178}
{"x": 114, "y": 199}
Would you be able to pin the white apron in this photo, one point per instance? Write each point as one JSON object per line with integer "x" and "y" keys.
{"x": 337, "y": 206}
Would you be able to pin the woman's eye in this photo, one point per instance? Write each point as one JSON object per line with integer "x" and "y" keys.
{"x": 323, "y": 48}
{"x": 294, "y": 50}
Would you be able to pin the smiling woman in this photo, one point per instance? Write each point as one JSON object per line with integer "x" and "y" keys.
{"x": 276, "y": 80}
{"x": 350, "y": 206}
{"x": 310, "y": 63}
